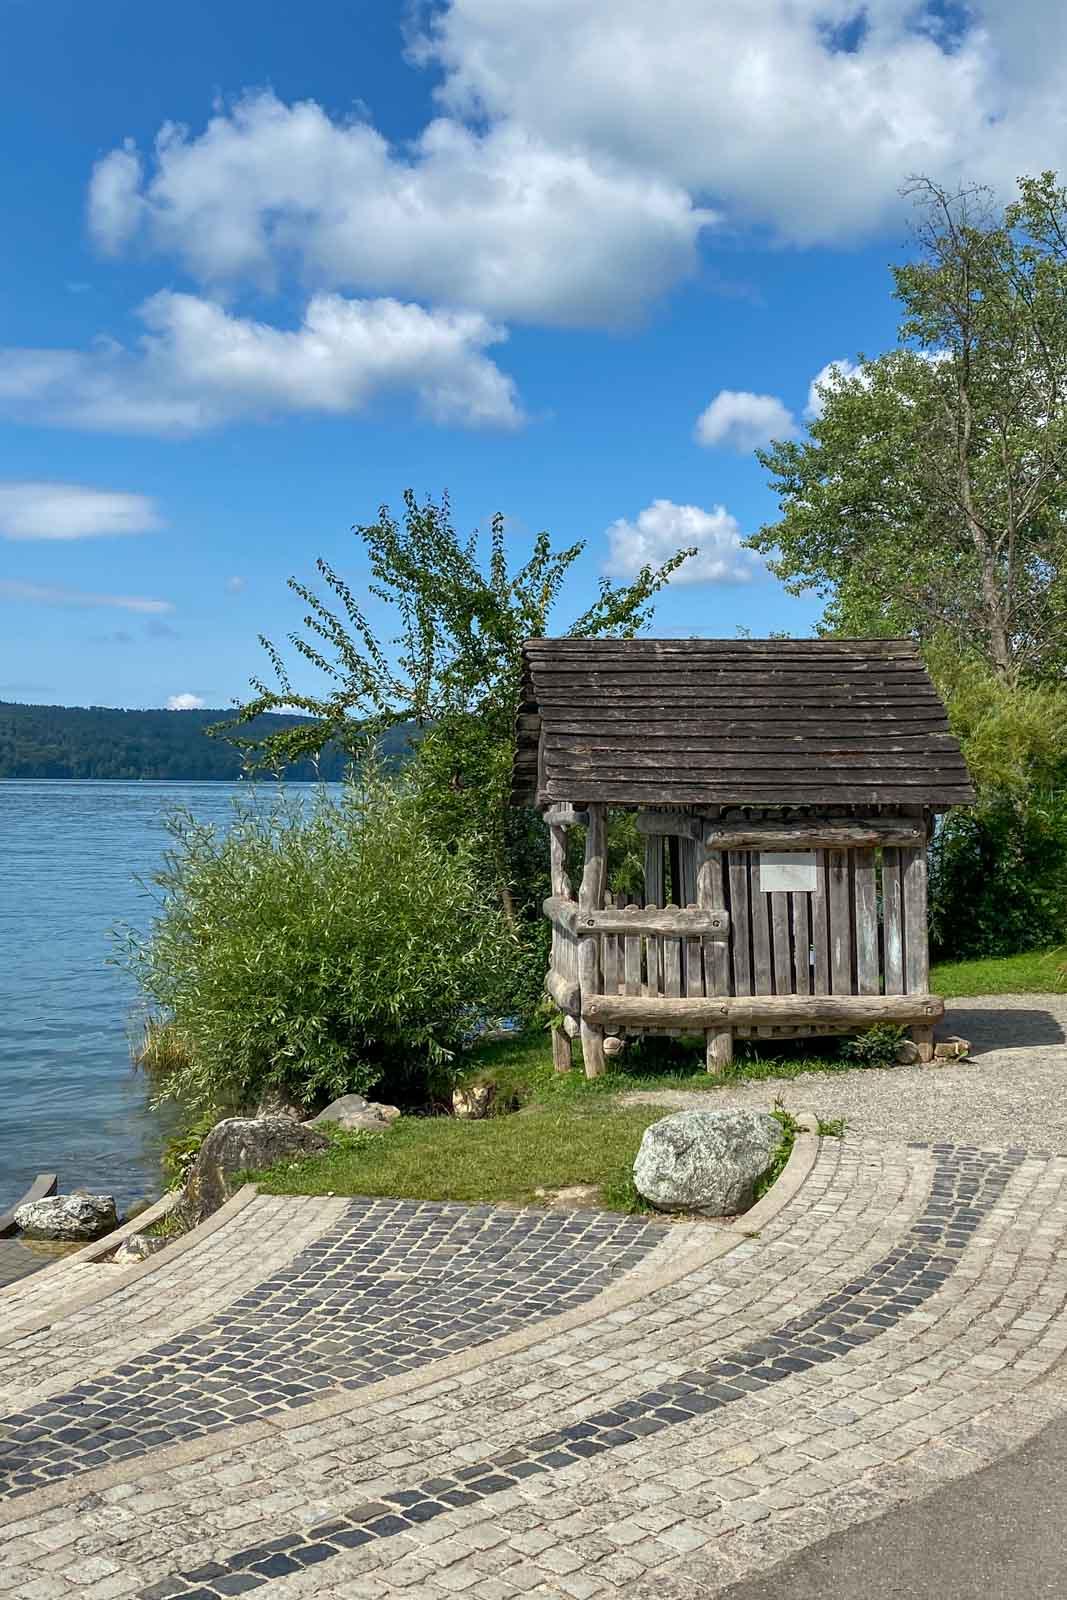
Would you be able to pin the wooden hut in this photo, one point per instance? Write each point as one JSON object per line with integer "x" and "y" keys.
{"x": 785, "y": 791}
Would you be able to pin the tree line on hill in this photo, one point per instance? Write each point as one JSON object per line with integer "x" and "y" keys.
{"x": 103, "y": 742}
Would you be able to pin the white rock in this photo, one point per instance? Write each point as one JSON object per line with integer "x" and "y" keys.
{"x": 67, "y": 1217}
{"x": 353, "y": 1112}
{"x": 706, "y": 1161}
{"x": 138, "y": 1247}
{"x": 474, "y": 1101}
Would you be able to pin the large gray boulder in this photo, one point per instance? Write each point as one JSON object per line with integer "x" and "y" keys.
{"x": 706, "y": 1161}
{"x": 242, "y": 1144}
{"x": 354, "y": 1113}
{"x": 68, "y": 1217}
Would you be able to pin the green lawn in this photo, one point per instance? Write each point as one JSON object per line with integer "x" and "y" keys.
{"x": 1035, "y": 972}
{"x": 503, "y": 1159}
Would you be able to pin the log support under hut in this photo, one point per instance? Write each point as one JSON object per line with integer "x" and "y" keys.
{"x": 784, "y": 791}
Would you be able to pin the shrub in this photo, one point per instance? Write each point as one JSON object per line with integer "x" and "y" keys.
{"x": 876, "y": 1047}
{"x": 998, "y": 880}
{"x": 320, "y": 950}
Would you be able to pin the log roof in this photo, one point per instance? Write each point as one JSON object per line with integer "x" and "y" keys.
{"x": 711, "y": 722}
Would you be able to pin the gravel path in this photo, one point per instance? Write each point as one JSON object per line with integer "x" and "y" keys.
{"x": 1014, "y": 1091}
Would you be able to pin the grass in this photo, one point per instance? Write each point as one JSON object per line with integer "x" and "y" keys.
{"x": 1033, "y": 972}
{"x": 502, "y": 1160}
{"x": 162, "y": 1049}
{"x": 568, "y": 1130}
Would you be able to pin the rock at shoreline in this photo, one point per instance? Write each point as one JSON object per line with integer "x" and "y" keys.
{"x": 68, "y": 1218}
{"x": 706, "y": 1161}
{"x": 138, "y": 1247}
{"x": 355, "y": 1114}
{"x": 242, "y": 1144}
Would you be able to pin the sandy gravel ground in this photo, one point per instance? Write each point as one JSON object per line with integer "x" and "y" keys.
{"x": 1014, "y": 1091}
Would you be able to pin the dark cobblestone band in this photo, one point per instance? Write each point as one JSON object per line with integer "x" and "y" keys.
{"x": 392, "y": 1286}
{"x": 966, "y": 1184}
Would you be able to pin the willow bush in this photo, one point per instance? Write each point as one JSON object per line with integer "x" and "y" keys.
{"x": 317, "y": 949}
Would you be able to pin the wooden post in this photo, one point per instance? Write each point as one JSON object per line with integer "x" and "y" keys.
{"x": 561, "y": 1050}
{"x": 654, "y": 896}
{"x": 711, "y": 896}
{"x": 562, "y": 943}
{"x": 916, "y": 949}
{"x": 591, "y": 898}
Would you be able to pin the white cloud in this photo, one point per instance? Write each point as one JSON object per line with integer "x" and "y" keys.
{"x": 827, "y": 377}
{"x": 114, "y": 197}
{"x": 803, "y": 114}
{"x": 664, "y": 527}
{"x": 72, "y": 511}
{"x": 235, "y": 584}
{"x": 511, "y": 223}
{"x": 186, "y": 702}
{"x": 43, "y": 594}
{"x": 739, "y": 420}
{"x": 197, "y": 366}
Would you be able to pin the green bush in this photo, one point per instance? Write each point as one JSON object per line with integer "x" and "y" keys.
{"x": 876, "y": 1047}
{"x": 320, "y": 950}
{"x": 998, "y": 878}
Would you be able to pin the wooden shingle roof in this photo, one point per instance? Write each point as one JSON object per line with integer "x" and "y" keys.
{"x": 690, "y": 722}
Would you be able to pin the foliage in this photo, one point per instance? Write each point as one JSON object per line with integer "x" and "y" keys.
{"x": 314, "y": 951}
{"x": 876, "y": 1047}
{"x": 453, "y": 668}
{"x": 181, "y": 1151}
{"x": 1013, "y": 737}
{"x": 929, "y": 497}
{"x": 790, "y": 1128}
{"x": 101, "y": 742}
{"x": 998, "y": 878}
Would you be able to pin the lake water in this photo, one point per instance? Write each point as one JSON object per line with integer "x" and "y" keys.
{"x": 69, "y": 1099}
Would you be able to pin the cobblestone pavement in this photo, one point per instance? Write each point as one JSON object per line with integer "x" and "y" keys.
{"x": 693, "y": 1406}
{"x": 1012, "y": 1091}
{"x": 17, "y": 1262}
{"x": 389, "y": 1287}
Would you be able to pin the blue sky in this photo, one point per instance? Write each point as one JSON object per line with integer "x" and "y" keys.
{"x": 569, "y": 259}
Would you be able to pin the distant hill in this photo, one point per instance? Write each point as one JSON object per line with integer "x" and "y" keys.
{"x": 101, "y": 742}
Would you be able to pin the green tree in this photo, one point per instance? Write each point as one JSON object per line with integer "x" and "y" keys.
{"x": 930, "y": 495}
{"x": 452, "y": 667}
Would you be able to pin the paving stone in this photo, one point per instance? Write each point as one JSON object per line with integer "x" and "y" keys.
{"x": 884, "y": 1308}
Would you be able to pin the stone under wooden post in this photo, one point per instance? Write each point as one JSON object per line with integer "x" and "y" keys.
{"x": 591, "y": 898}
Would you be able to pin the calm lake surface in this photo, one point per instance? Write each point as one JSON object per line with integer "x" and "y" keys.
{"x": 69, "y": 854}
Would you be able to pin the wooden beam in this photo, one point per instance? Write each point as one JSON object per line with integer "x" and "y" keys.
{"x": 563, "y": 991}
{"x": 564, "y": 816}
{"x": 722, "y": 1012}
{"x": 813, "y": 835}
{"x": 561, "y": 912}
{"x": 684, "y": 924}
{"x": 671, "y": 822}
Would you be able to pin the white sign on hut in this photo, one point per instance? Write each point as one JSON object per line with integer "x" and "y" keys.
{"x": 785, "y": 790}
